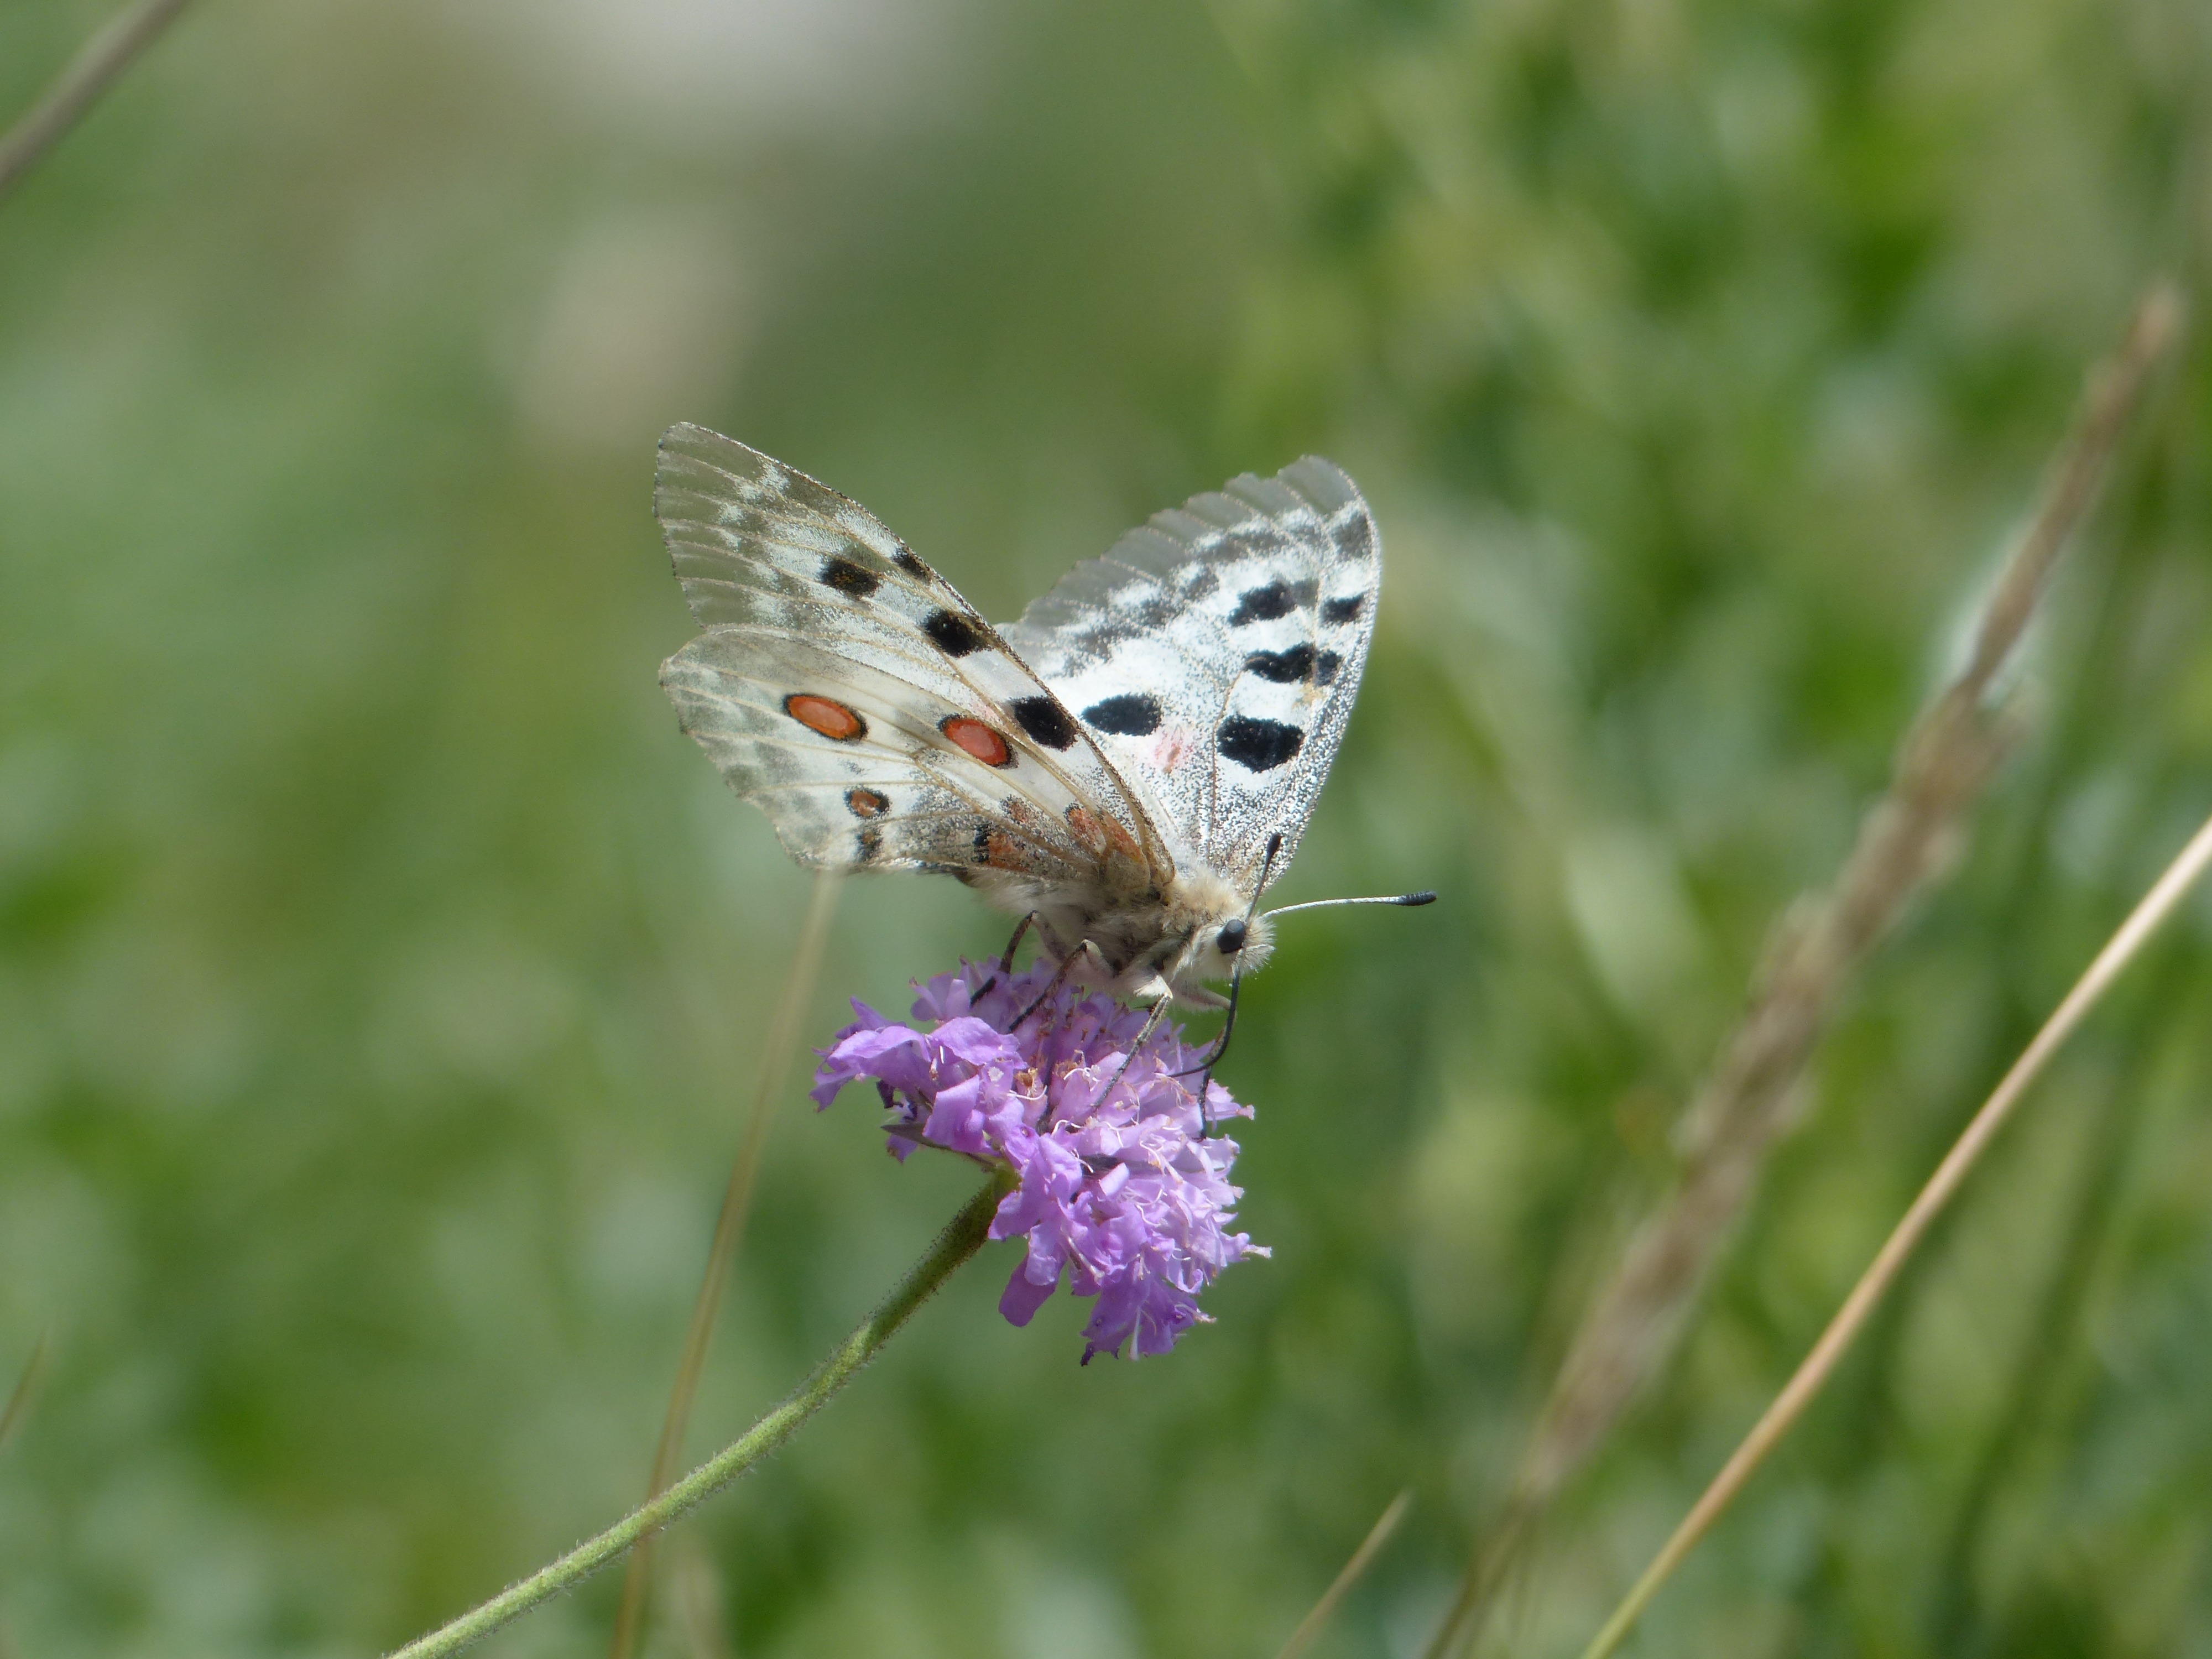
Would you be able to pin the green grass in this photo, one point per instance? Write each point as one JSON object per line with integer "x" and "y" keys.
{"x": 380, "y": 971}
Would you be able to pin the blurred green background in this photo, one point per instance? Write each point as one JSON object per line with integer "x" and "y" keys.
{"x": 381, "y": 975}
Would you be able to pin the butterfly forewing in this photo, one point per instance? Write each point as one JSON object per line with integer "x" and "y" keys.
{"x": 1215, "y": 651}
{"x": 848, "y": 689}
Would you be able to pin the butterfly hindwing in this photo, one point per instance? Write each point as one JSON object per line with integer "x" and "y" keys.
{"x": 851, "y": 693}
{"x": 1216, "y": 651}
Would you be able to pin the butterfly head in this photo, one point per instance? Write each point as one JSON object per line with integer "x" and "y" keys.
{"x": 1230, "y": 938}
{"x": 1224, "y": 945}
{"x": 1210, "y": 931}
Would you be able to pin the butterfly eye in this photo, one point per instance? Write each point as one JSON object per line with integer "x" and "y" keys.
{"x": 1231, "y": 940}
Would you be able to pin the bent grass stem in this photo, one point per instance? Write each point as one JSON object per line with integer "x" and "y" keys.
{"x": 1310, "y": 1627}
{"x": 26, "y": 1387}
{"x": 78, "y": 87}
{"x": 781, "y": 1038}
{"x": 960, "y": 1240}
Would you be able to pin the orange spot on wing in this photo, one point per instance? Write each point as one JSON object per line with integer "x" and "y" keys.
{"x": 831, "y": 719}
{"x": 1002, "y": 852}
{"x": 867, "y": 803}
{"x": 1124, "y": 842}
{"x": 978, "y": 739}
{"x": 1087, "y": 830}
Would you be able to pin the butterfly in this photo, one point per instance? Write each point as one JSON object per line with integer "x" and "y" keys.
{"x": 1129, "y": 767}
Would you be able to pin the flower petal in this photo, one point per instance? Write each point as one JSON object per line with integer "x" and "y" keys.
{"x": 1024, "y": 1296}
{"x": 1118, "y": 1190}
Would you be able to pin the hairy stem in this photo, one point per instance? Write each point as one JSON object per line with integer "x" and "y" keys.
{"x": 960, "y": 1240}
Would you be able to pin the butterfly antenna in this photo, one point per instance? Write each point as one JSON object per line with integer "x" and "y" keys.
{"x": 1266, "y": 867}
{"x": 1236, "y": 979}
{"x": 1407, "y": 899}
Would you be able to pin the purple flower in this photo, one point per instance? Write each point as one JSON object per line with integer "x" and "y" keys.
{"x": 1121, "y": 1193}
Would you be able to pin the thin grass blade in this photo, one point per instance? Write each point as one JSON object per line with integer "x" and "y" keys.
{"x": 2156, "y": 906}
{"x": 777, "y": 1050}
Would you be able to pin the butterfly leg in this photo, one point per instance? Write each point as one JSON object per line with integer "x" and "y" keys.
{"x": 1152, "y": 1023}
{"x": 1159, "y": 1013}
{"x": 1006, "y": 958}
{"x": 1059, "y": 978}
{"x": 1087, "y": 953}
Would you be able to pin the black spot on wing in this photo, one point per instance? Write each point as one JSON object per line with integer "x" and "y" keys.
{"x": 982, "y": 844}
{"x": 1325, "y": 667}
{"x": 1044, "y": 719}
{"x": 1132, "y": 714}
{"x": 848, "y": 578}
{"x": 1262, "y": 604}
{"x": 954, "y": 633}
{"x": 1343, "y": 610}
{"x": 906, "y": 561}
{"x": 1282, "y": 667}
{"x": 1256, "y": 745}
{"x": 871, "y": 839}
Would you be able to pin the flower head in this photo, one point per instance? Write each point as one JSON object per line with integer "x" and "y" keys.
{"x": 1120, "y": 1191}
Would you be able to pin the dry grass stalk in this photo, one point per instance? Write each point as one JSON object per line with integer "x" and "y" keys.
{"x": 18, "y": 1406}
{"x": 1311, "y": 1625}
{"x": 1749, "y": 1099}
{"x": 78, "y": 87}
{"x": 26, "y": 1388}
{"x": 777, "y": 1050}
{"x": 698, "y": 1594}
{"x": 2165, "y": 896}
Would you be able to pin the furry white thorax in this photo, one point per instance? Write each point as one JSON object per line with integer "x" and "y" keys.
{"x": 1143, "y": 945}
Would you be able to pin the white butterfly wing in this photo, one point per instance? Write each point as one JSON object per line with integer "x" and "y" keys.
{"x": 1214, "y": 653}
{"x": 847, "y": 689}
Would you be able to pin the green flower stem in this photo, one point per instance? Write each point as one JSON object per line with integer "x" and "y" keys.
{"x": 961, "y": 1239}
